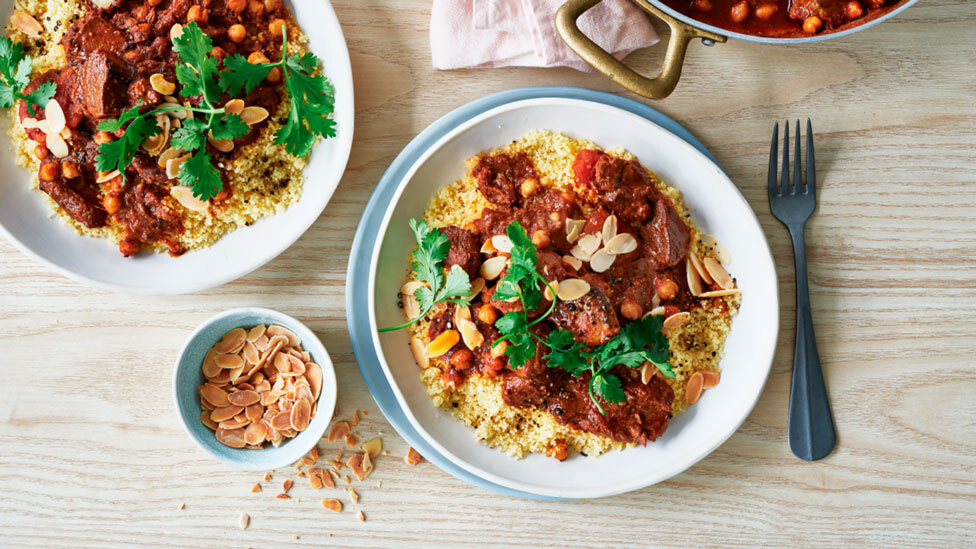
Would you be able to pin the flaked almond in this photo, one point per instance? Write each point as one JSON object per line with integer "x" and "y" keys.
{"x": 694, "y": 281}
{"x": 648, "y": 371}
{"x": 314, "y": 480}
{"x": 254, "y": 333}
{"x": 656, "y": 311}
{"x": 26, "y": 24}
{"x": 313, "y": 374}
{"x": 361, "y": 465}
{"x": 461, "y": 312}
{"x": 442, "y": 343}
{"x": 250, "y": 353}
{"x": 502, "y": 243}
{"x": 710, "y": 378}
{"x": 165, "y": 156}
{"x": 333, "y": 505}
{"x": 547, "y": 293}
{"x": 477, "y": 285}
{"x": 222, "y": 145}
{"x": 161, "y": 85}
{"x": 231, "y": 437}
{"x": 470, "y": 334}
{"x": 354, "y": 496}
{"x": 54, "y": 116}
{"x": 215, "y": 395}
{"x": 373, "y": 446}
{"x": 253, "y": 115}
{"x": 721, "y": 253}
{"x": 256, "y": 432}
{"x": 493, "y": 267}
{"x": 411, "y": 307}
{"x": 413, "y": 457}
{"x": 720, "y": 293}
{"x": 572, "y": 288}
{"x": 580, "y": 254}
{"x": 417, "y": 348}
{"x": 609, "y": 228}
{"x": 243, "y": 521}
{"x": 107, "y": 176}
{"x": 230, "y": 362}
{"x": 677, "y": 319}
{"x": 339, "y": 430}
{"x": 623, "y": 243}
{"x": 275, "y": 330}
{"x": 205, "y": 419}
{"x": 175, "y": 31}
{"x": 589, "y": 244}
{"x": 56, "y": 144}
{"x": 234, "y": 106}
{"x": 225, "y": 412}
{"x": 301, "y": 413}
{"x": 173, "y": 166}
{"x": 487, "y": 248}
{"x": 28, "y": 123}
{"x": 573, "y": 262}
{"x": 232, "y": 341}
{"x": 719, "y": 274}
{"x": 257, "y": 485}
{"x": 243, "y": 398}
{"x": 573, "y": 229}
{"x": 601, "y": 260}
{"x": 702, "y": 271}
{"x": 693, "y": 390}
{"x": 65, "y": 133}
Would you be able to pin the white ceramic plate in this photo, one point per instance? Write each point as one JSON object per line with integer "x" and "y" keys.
{"x": 26, "y": 221}
{"x": 719, "y": 209}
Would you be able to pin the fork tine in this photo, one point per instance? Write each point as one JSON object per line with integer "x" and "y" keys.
{"x": 773, "y": 154}
{"x": 786, "y": 183}
{"x": 811, "y": 186}
{"x": 797, "y": 174}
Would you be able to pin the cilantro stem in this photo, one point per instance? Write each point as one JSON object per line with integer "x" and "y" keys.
{"x": 552, "y": 305}
{"x": 407, "y": 323}
{"x": 592, "y": 396}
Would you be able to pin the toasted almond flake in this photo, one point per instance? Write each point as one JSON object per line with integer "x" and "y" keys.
{"x": 442, "y": 343}
{"x": 609, "y": 228}
{"x": 286, "y": 485}
{"x": 417, "y": 348}
{"x": 222, "y": 145}
{"x": 253, "y": 115}
{"x": 623, "y": 243}
{"x": 710, "y": 378}
{"x": 719, "y": 274}
{"x": 267, "y": 477}
{"x": 547, "y": 293}
{"x": 250, "y": 353}
{"x": 232, "y": 341}
{"x": 360, "y": 515}
{"x": 313, "y": 374}
{"x": 589, "y": 243}
{"x": 175, "y": 31}
{"x": 184, "y": 195}
{"x": 339, "y": 430}
{"x": 580, "y": 254}
{"x": 205, "y": 419}
{"x": 107, "y": 176}
{"x": 361, "y": 465}
{"x": 231, "y": 437}
{"x": 354, "y": 496}
{"x": 720, "y": 293}
{"x": 333, "y": 505}
{"x": 243, "y": 521}
{"x": 254, "y": 333}
{"x": 721, "y": 253}
{"x": 173, "y": 166}
{"x": 256, "y": 488}
{"x": 487, "y": 248}
{"x": 243, "y": 398}
{"x": 56, "y": 144}
{"x": 411, "y": 307}
{"x": 229, "y": 362}
{"x": 351, "y": 439}
{"x": 461, "y": 312}
{"x": 472, "y": 337}
{"x": 223, "y": 413}
{"x": 502, "y": 243}
{"x": 167, "y": 155}
{"x": 26, "y": 24}
{"x": 215, "y": 395}
{"x": 44, "y": 126}
{"x": 573, "y": 262}
{"x": 234, "y": 106}
{"x": 413, "y": 457}
{"x": 648, "y": 371}
{"x": 314, "y": 480}
{"x": 702, "y": 271}
{"x": 373, "y": 446}
{"x": 492, "y": 267}
{"x": 301, "y": 413}
{"x": 182, "y": 506}
{"x": 161, "y": 85}
{"x": 281, "y": 420}
{"x": 477, "y": 285}
{"x": 65, "y": 133}
{"x": 28, "y": 123}
{"x": 602, "y": 260}
{"x": 573, "y": 229}
{"x": 572, "y": 288}
{"x": 694, "y": 388}
{"x": 278, "y": 330}
{"x": 677, "y": 319}
{"x": 283, "y": 496}
{"x": 54, "y": 115}
{"x": 694, "y": 281}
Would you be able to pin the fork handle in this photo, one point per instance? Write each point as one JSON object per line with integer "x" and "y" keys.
{"x": 811, "y": 425}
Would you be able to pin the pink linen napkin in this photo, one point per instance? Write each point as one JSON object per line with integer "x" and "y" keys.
{"x": 500, "y": 33}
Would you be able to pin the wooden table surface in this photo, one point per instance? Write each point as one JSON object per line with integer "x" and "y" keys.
{"x": 92, "y": 453}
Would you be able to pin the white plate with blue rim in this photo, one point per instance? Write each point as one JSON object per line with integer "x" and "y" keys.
{"x": 719, "y": 209}
{"x": 25, "y": 219}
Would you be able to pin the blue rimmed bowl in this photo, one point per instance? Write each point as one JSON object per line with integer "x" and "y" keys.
{"x": 187, "y": 378}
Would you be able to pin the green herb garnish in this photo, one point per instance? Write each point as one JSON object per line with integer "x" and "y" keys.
{"x": 432, "y": 249}
{"x": 311, "y": 98}
{"x": 15, "y": 68}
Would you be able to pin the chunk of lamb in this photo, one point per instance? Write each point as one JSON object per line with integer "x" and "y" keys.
{"x": 102, "y": 85}
{"x": 465, "y": 250}
{"x": 625, "y": 188}
{"x": 500, "y": 175}
{"x": 74, "y": 204}
{"x": 666, "y": 237}
{"x": 831, "y": 12}
{"x": 591, "y": 318}
{"x": 95, "y": 34}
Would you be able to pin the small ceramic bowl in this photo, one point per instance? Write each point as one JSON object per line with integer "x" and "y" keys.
{"x": 187, "y": 378}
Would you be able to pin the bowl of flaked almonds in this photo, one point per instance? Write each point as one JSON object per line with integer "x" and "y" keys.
{"x": 254, "y": 388}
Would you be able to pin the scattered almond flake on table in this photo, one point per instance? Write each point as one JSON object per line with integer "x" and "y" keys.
{"x": 182, "y": 506}
{"x": 413, "y": 457}
{"x": 346, "y": 479}
{"x": 355, "y": 418}
{"x": 351, "y": 439}
{"x": 243, "y": 521}
{"x": 283, "y": 496}
{"x": 333, "y": 505}
{"x": 256, "y": 488}
{"x": 379, "y": 484}
{"x": 286, "y": 485}
{"x": 361, "y": 516}
{"x": 353, "y": 495}
{"x": 339, "y": 430}
{"x": 267, "y": 477}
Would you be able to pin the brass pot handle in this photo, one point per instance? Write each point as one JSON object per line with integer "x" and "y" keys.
{"x": 658, "y": 87}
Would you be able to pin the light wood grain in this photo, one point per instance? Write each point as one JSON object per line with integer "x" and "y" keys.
{"x": 92, "y": 453}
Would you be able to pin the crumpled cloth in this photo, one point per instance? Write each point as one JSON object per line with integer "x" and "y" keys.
{"x": 502, "y": 33}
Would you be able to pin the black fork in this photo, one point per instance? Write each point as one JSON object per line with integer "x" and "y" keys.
{"x": 811, "y": 426}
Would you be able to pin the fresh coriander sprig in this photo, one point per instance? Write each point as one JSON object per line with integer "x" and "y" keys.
{"x": 15, "y": 70}
{"x": 432, "y": 249}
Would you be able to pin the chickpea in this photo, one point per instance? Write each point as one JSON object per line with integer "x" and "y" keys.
{"x": 462, "y": 359}
{"x": 69, "y": 169}
{"x": 488, "y": 314}
{"x": 133, "y": 56}
{"x": 49, "y": 171}
{"x": 256, "y": 8}
{"x": 853, "y": 9}
{"x": 558, "y": 450}
{"x": 257, "y": 57}
{"x": 111, "y": 203}
{"x": 130, "y": 246}
{"x": 529, "y": 186}
{"x": 665, "y": 287}
{"x": 40, "y": 151}
{"x": 701, "y": 5}
{"x": 236, "y": 5}
{"x": 766, "y": 11}
{"x": 274, "y": 76}
{"x": 740, "y": 11}
{"x": 197, "y": 15}
{"x": 670, "y": 310}
{"x": 812, "y": 24}
{"x": 496, "y": 364}
{"x": 272, "y": 5}
{"x": 154, "y": 2}
{"x": 236, "y": 33}
{"x": 275, "y": 27}
{"x": 631, "y": 309}
{"x": 541, "y": 239}
{"x": 103, "y": 137}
